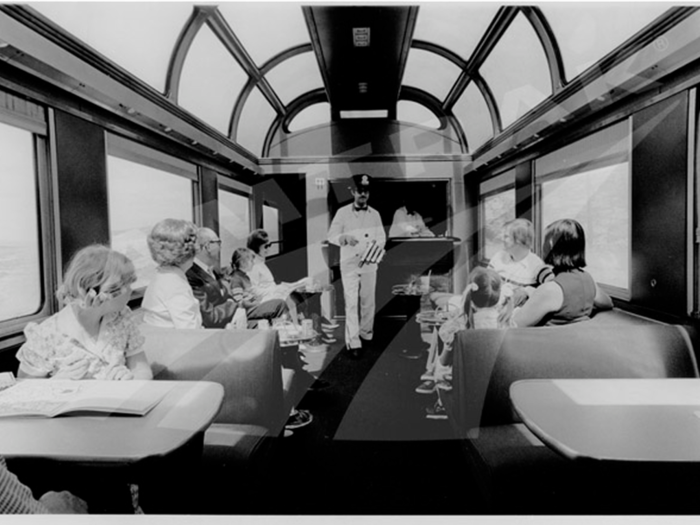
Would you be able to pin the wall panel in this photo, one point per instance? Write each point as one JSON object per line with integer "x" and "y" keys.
{"x": 659, "y": 206}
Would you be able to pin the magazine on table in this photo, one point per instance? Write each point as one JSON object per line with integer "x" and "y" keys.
{"x": 55, "y": 397}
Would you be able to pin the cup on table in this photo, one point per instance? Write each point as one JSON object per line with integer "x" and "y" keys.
{"x": 425, "y": 284}
{"x": 307, "y": 327}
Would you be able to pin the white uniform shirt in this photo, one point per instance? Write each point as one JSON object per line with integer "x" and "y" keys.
{"x": 366, "y": 226}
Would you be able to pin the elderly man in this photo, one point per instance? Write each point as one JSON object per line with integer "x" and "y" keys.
{"x": 215, "y": 302}
{"x": 354, "y": 227}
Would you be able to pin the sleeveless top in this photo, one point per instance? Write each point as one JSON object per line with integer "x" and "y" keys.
{"x": 579, "y": 292}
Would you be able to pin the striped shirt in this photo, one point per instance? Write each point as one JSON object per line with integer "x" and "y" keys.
{"x": 16, "y": 498}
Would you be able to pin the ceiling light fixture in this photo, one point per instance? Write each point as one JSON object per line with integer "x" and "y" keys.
{"x": 373, "y": 113}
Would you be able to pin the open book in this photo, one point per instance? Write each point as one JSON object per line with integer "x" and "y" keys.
{"x": 52, "y": 397}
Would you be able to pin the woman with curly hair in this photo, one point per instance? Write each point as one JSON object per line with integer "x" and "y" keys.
{"x": 169, "y": 301}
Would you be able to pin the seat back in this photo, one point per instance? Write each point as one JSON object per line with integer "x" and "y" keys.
{"x": 245, "y": 362}
{"x": 487, "y": 362}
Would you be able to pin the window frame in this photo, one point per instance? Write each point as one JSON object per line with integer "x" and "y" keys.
{"x": 616, "y": 292}
{"x": 11, "y": 329}
{"x": 226, "y": 184}
{"x": 145, "y": 155}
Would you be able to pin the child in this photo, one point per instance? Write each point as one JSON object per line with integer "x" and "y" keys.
{"x": 94, "y": 335}
{"x": 486, "y": 304}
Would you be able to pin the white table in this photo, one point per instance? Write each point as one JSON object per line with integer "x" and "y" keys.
{"x": 186, "y": 410}
{"x": 622, "y": 420}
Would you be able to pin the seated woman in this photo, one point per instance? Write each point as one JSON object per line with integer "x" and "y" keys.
{"x": 407, "y": 222}
{"x": 573, "y": 294}
{"x": 241, "y": 289}
{"x": 169, "y": 301}
{"x": 94, "y": 335}
{"x": 261, "y": 278}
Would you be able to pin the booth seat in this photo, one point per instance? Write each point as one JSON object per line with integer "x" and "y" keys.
{"x": 513, "y": 470}
{"x": 258, "y": 391}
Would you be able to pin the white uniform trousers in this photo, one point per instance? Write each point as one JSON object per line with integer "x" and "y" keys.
{"x": 358, "y": 287}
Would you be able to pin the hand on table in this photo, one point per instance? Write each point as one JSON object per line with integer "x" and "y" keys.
{"x": 119, "y": 373}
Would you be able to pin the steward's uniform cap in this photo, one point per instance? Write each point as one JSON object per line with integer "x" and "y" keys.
{"x": 362, "y": 181}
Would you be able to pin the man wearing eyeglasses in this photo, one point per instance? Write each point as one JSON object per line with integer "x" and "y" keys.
{"x": 215, "y": 302}
{"x": 354, "y": 228}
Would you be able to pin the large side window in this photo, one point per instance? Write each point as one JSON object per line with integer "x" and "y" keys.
{"x": 145, "y": 186}
{"x": 589, "y": 181}
{"x": 234, "y": 217}
{"x": 20, "y": 241}
{"x": 497, "y": 207}
{"x": 27, "y": 280}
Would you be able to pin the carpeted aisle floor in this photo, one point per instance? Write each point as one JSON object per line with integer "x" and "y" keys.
{"x": 370, "y": 449}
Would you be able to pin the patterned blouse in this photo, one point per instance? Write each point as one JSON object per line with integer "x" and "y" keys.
{"x": 61, "y": 336}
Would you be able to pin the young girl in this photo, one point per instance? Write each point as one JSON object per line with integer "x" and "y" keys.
{"x": 94, "y": 336}
{"x": 486, "y": 304}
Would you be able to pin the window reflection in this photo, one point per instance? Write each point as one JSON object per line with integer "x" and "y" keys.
{"x": 589, "y": 181}
{"x": 497, "y": 209}
{"x": 412, "y": 112}
{"x": 20, "y": 269}
{"x": 271, "y": 224}
{"x": 234, "y": 222}
{"x": 139, "y": 197}
{"x": 517, "y": 71}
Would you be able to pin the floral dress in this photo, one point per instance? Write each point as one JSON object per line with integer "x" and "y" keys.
{"x": 60, "y": 338}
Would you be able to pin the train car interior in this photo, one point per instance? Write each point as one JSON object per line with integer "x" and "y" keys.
{"x": 239, "y": 116}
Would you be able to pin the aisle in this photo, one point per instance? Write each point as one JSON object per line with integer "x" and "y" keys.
{"x": 370, "y": 449}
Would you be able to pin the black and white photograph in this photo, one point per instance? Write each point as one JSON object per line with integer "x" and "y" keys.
{"x": 349, "y": 262}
